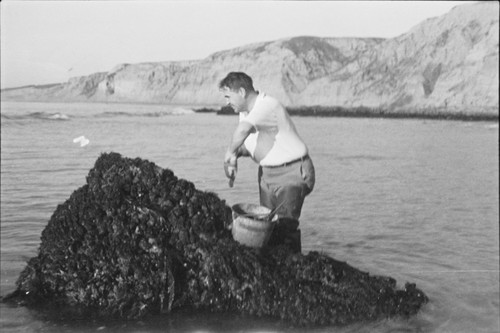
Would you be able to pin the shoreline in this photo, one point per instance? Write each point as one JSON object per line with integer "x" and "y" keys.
{"x": 364, "y": 112}
{"x": 325, "y": 111}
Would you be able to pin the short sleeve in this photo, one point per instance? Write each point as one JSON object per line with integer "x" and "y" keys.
{"x": 263, "y": 114}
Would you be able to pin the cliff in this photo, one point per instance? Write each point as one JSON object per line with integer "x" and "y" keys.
{"x": 447, "y": 63}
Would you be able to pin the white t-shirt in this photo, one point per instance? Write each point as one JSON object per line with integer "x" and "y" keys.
{"x": 276, "y": 140}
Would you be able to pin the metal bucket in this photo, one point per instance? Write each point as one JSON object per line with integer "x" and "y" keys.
{"x": 247, "y": 229}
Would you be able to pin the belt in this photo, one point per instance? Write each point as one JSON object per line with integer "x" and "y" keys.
{"x": 300, "y": 159}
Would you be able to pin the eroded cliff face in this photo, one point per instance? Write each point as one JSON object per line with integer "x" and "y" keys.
{"x": 448, "y": 63}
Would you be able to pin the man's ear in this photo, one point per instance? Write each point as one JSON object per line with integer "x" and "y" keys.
{"x": 242, "y": 91}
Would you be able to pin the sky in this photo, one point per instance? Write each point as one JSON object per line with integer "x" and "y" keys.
{"x": 50, "y": 41}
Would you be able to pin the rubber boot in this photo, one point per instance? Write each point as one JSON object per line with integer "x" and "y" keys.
{"x": 292, "y": 239}
{"x": 286, "y": 233}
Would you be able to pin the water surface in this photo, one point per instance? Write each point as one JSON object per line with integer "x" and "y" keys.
{"x": 413, "y": 199}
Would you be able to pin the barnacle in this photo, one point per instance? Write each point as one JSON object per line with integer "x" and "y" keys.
{"x": 136, "y": 240}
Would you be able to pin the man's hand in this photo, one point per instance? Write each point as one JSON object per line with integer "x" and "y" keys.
{"x": 230, "y": 168}
{"x": 230, "y": 158}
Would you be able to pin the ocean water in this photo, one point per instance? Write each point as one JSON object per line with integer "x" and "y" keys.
{"x": 413, "y": 199}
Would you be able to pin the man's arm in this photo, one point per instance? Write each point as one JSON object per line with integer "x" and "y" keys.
{"x": 242, "y": 151}
{"x": 240, "y": 134}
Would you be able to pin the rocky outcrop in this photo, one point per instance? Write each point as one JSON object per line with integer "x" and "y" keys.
{"x": 448, "y": 63}
{"x": 135, "y": 240}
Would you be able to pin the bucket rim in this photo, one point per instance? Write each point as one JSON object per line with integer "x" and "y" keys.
{"x": 241, "y": 212}
{"x": 239, "y": 208}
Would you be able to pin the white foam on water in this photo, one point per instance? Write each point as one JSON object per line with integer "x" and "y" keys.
{"x": 82, "y": 140}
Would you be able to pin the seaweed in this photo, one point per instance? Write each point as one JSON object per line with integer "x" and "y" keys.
{"x": 136, "y": 241}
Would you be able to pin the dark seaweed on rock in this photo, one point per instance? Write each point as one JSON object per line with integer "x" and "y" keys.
{"x": 136, "y": 240}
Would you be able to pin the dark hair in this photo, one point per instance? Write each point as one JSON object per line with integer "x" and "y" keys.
{"x": 237, "y": 80}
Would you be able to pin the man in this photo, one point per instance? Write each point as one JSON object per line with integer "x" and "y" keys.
{"x": 267, "y": 134}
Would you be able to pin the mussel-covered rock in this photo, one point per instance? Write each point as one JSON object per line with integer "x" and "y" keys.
{"x": 136, "y": 240}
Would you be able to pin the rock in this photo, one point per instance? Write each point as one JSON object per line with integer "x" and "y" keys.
{"x": 135, "y": 240}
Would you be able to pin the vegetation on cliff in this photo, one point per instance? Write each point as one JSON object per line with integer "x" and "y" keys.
{"x": 366, "y": 112}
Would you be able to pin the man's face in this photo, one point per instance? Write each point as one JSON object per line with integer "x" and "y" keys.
{"x": 235, "y": 98}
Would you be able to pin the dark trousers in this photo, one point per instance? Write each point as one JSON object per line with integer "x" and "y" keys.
{"x": 286, "y": 187}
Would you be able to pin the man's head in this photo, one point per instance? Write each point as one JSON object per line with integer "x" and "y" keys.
{"x": 237, "y": 80}
{"x": 236, "y": 87}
